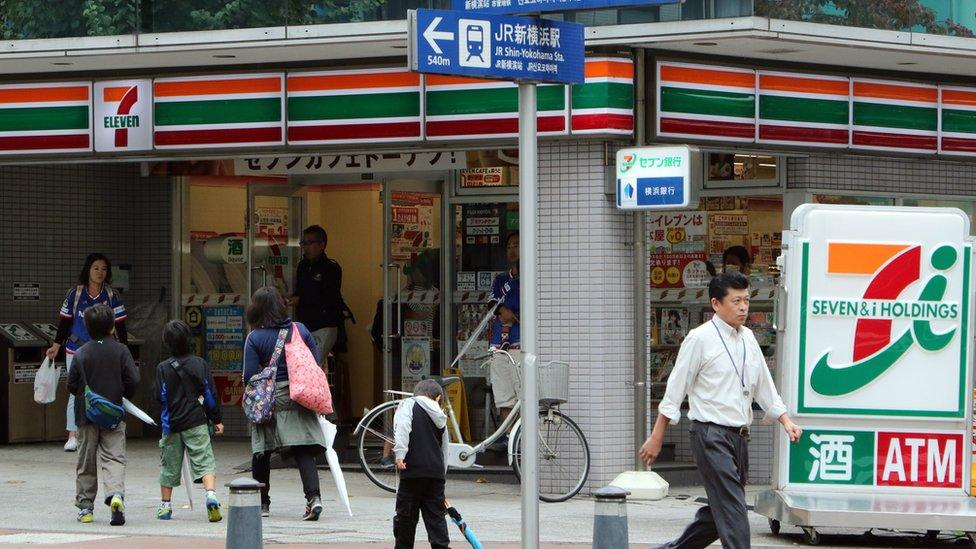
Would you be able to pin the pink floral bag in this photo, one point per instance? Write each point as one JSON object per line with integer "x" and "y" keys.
{"x": 307, "y": 384}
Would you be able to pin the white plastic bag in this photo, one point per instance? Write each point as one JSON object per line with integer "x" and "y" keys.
{"x": 46, "y": 382}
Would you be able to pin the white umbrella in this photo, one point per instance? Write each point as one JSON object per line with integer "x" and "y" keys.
{"x": 329, "y": 430}
{"x": 187, "y": 479}
{"x": 132, "y": 409}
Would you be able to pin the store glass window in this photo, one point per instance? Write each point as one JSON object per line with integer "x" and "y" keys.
{"x": 489, "y": 171}
{"x": 687, "y": 248}
{"x": 853, "y": 200}
{"x": 734, "y": 170}
{"x": 964, "y": 205}
{"x": 481, "y": 252}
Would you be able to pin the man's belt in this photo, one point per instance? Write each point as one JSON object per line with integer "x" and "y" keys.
{"x": 741, "y": 431}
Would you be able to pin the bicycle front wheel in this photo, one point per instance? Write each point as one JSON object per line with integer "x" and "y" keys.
{"x": 564, "y": 456}
{"x": 376, "y": 447}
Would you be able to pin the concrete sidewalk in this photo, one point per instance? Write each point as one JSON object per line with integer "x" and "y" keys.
{"x": 37, "y": 490}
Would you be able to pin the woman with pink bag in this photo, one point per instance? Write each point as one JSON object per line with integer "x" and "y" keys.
{"x": 293, "y": 430}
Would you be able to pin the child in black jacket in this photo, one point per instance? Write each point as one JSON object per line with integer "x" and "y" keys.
{"x": 184, "y": 389}
{"x": 420, "y": 449}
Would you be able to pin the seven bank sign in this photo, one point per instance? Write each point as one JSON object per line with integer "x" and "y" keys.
{"x": 123, "y": 115}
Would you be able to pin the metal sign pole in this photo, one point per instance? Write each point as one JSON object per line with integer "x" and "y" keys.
{"x": 528, "y": 204}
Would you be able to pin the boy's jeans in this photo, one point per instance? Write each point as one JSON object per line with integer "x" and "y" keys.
{"x": 100, "y": 449}
{"x": 416, "y": 496}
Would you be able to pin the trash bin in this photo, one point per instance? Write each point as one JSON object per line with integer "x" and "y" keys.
{"x": 21, "y": 352}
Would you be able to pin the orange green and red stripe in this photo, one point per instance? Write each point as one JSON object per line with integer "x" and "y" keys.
{"x": 353, "y": 105}
{"x": 45, "y": 118}
{"x": 890, "y": 115}
{"x": 218, "y": 111}
{"x": 460, "y": 107}
{"x": 604, "y": 102}
{"x": 706, "y": 102}
{"x": 958, "y": 120}
{"x": 804, "y": 109}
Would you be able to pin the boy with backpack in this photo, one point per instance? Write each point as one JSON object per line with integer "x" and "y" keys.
{"x": 420, "y": 448}
{"x": 102, "y": 374}
{"x": 184, "y": 389}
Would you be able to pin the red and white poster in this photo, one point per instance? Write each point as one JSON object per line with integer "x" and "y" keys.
{"x": 412, "y": 219}
{"x": 678, "y": 270}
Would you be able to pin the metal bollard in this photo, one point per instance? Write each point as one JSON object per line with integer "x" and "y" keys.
{"x": 610, "y": 518}
{"x": 244, "y": 519}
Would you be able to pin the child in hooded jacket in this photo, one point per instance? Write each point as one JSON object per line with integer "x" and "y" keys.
{"x": 420, "y": 449}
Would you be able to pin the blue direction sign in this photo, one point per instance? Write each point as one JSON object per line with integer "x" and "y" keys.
{"x": 495, "y": 46}
{"x": 537, "y": 6}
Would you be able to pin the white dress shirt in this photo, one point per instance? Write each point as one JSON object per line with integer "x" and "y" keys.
{"x": 705, "y": 373}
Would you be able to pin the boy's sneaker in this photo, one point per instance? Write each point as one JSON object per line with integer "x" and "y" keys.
{"x": 213, "y": 509}
{"x": 165, "y": 512}
{"x": 71, "y": 445}
{"x": 265, "y": 510}
{"x": 118, "y": 511}
{"x": 86, "y": 516}
{"x": 313, "y": 509}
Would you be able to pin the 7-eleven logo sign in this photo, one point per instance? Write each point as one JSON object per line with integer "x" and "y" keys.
{"x": 123, "y": 115}
{"x": 889, "y": 270}
{"x": 883, "y": 327}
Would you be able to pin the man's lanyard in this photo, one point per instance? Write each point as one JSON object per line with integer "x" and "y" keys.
{"x": 742, "y": 373}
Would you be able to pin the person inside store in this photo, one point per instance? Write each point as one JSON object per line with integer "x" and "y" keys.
{"x": 505, "y": 379}
{"x": 94, "y": 286}
{"x": 720, "y": 368}
{"x": 293, "y": 430}
{"x": 736, "y": 258}
{"x": 318, "y": 291}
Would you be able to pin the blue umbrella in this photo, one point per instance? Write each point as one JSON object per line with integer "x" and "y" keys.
{"x": 459, "y": 520}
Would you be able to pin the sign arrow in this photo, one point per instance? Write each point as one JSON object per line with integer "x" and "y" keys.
{"x": 431, "y": 35}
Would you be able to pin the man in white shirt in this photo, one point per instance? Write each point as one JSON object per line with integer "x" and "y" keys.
{"x": 720, "y": 368}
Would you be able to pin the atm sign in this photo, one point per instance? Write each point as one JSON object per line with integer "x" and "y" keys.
{"x": 878, "y": 458}
{"x": 924, "y": 460}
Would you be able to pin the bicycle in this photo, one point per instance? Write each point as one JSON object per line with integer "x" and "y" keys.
{"x": 564, "y": 455}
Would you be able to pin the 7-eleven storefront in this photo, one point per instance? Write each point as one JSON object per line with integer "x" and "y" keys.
{"x": 199, "y": 186}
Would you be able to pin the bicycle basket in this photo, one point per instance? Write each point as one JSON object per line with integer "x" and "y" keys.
{"x": 553, "y": 383}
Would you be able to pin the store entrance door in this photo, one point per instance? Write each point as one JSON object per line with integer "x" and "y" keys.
{"x": 412, "y": 269}
{"x": 275, "y": 219}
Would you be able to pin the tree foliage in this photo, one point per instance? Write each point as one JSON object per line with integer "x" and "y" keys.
{"x": 874, "y": 14}
{"x": 25, "y": 19}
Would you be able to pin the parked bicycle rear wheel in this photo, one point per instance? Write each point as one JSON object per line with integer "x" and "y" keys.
{"x": 376, "y": 447}
{"x": 564, "y": 456}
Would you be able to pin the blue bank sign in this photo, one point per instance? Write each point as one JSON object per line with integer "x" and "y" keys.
{"x": 538, "y": 6}
{"x": 653, "y": 178}
{"x": 493, "y": 46}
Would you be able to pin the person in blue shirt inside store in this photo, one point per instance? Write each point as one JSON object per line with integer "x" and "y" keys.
{"x": 94, "y": 286}
{"x": 506, "y": 383}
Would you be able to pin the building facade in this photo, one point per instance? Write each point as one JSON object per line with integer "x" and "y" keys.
{"x": 193, "y": 149}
